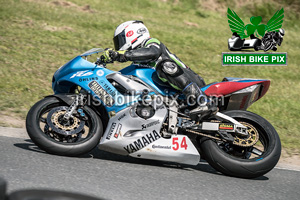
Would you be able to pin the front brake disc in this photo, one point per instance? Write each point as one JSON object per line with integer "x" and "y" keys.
{"x": 55, "y": 122}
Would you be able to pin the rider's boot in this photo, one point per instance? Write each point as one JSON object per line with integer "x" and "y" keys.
{"x": 205, "y": 107}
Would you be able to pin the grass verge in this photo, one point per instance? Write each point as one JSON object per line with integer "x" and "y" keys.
{"x": 36, "y": 37}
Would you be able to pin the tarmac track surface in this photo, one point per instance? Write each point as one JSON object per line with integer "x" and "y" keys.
{"x": 110, "y": 176}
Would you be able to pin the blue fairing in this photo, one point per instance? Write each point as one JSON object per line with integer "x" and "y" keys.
{"x": 146, "y": 74}
{"x": 80, "y": 72}
{"x": 74, "y": 65}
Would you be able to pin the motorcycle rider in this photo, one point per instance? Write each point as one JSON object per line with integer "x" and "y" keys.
{"x": 277, "y": 37}
{"x": 132, "y": 42}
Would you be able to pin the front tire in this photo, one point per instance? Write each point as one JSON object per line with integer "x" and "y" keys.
{"x": 243, "y": 165}
{"x": 55, "y": 142}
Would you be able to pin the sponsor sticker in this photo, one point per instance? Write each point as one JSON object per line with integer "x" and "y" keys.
{"x": 108, "y": 88}
{"x": 142, "y": 142}
{"x": 144, "y": 126}
{"x": 160, "y": 147}
{"x": 129, "y": 33}
{"x": 88, "y": 79}
{"x": 225, "y": 126}
{"x": 101, "y": 93}
{"x": 122, "y": 116}
{"x": 112, "y": 128}
{"x": 82, "y": 73}
{"x": 100, "y": 72}
{"x": 141, "y": 31}
{"x": 118, "y": 131}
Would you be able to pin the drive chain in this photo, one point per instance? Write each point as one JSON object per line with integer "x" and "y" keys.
{"x": 236, "y": 142}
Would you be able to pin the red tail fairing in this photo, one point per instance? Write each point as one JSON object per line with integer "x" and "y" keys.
{"x": 236, "y": 93}
{"x": 265, "y": 88}
{"x": 228, "y": 87}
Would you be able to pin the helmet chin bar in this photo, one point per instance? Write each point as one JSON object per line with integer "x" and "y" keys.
{"x": 125, "y": 47}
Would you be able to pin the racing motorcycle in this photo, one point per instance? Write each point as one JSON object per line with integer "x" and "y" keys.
{"x": 132, "y": 112}
{"x": 235, "y": 43}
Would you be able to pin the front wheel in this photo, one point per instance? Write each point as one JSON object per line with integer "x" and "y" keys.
{"x": 48, "y": 130}
{"x": 239, "y": 160}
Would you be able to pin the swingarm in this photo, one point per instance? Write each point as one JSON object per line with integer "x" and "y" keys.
{"x": 224, "y": 129}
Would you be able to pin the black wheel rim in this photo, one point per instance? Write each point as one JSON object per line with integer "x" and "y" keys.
{"x": 254, "y": 153}
{"x": 78, "y": 138}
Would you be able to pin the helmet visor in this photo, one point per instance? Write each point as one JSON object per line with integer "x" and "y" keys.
{"x": 120, "y": 40}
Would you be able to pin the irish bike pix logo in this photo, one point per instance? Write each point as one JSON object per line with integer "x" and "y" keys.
{"x": 248, "y": 39}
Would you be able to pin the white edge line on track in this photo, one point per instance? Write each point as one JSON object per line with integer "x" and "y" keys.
{"x": 287, "y": 168}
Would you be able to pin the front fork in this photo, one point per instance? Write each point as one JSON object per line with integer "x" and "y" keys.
{"x": 76, "y": 105}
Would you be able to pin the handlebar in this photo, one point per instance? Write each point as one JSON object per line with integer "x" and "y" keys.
{"x": 101, "y": 61}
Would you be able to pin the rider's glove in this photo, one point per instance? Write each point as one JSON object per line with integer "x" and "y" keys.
{"x": 119, "y": 56}
{"x": 110, "y": 55}
{"x": 106, "y": 57}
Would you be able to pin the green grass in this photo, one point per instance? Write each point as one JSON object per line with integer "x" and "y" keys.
{"x": 36, "y": 37}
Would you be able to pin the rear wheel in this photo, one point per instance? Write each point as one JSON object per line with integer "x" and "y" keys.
{"x": 48, "y": 130}
{"x": 241, "y": 160}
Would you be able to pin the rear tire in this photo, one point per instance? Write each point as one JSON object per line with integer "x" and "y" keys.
{"x": 232, "y": 165}
{"x": 51, "y": 145}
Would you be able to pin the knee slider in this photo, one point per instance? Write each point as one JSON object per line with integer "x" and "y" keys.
{"x": 171, "y": 68}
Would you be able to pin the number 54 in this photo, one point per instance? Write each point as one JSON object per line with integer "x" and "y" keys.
{"x": 175, "y": 143}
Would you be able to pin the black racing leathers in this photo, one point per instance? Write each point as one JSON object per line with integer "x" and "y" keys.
{"x": 143, "y": 55}
{"x": 169, "y": 68}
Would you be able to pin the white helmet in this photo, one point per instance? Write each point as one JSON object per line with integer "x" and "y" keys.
{"x": 281, "y": 32}
{"x": 130, "y": 35}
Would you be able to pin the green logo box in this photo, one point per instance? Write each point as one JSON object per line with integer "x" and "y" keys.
{"x": 254, "y": 59}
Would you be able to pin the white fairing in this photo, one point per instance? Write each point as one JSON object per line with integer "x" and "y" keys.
{"x": 232, "y": 41}
{"x": 172, "y": 150}
{"x": 128, "y": 134}
{"x": 250, "y": 43}
{"x": 246, "y": 43}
